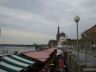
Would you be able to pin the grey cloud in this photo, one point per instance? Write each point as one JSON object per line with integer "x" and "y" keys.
{"x": 34, "y": 6}
{"x": 50, "y": 13}
{"x": 89, "y": 3}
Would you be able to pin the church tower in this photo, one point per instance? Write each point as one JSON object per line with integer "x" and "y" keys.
{"x": 58, "y": 33}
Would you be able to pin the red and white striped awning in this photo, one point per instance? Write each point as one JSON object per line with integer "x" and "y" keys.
{"x": 49, "y": 50}
{"x": 40, "y": 55}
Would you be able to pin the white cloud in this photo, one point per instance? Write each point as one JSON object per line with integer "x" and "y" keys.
{"x": 18, "y": 36}
{"x": 26, "y": 34}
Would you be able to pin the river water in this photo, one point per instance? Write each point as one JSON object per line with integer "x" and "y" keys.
{"x": 6, "y": 50}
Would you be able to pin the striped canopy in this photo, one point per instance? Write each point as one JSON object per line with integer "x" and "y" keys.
{"x": 40, "y": 55}
{"x": 15, "y": 63}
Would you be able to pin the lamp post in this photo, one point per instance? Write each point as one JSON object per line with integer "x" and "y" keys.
{"x": 77, "y": 19}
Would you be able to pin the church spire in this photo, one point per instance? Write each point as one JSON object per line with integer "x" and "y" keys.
{"x": 58, "y": 33}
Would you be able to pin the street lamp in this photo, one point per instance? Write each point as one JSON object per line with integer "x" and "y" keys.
{"x": 77, "y": 19}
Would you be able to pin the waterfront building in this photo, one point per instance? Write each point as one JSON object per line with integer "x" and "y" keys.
{"x": 60, "y": 38}
{"x": 52, "y": 43}
{"x": 90, "y": 35}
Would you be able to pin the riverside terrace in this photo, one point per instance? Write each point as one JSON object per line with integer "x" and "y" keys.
{"x": 28, "y": 62}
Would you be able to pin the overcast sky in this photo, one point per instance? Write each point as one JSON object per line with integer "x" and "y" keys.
{"x": 29, "y": 21}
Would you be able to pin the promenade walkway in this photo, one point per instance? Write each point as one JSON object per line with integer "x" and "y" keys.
{"x": 84, "y": 57}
